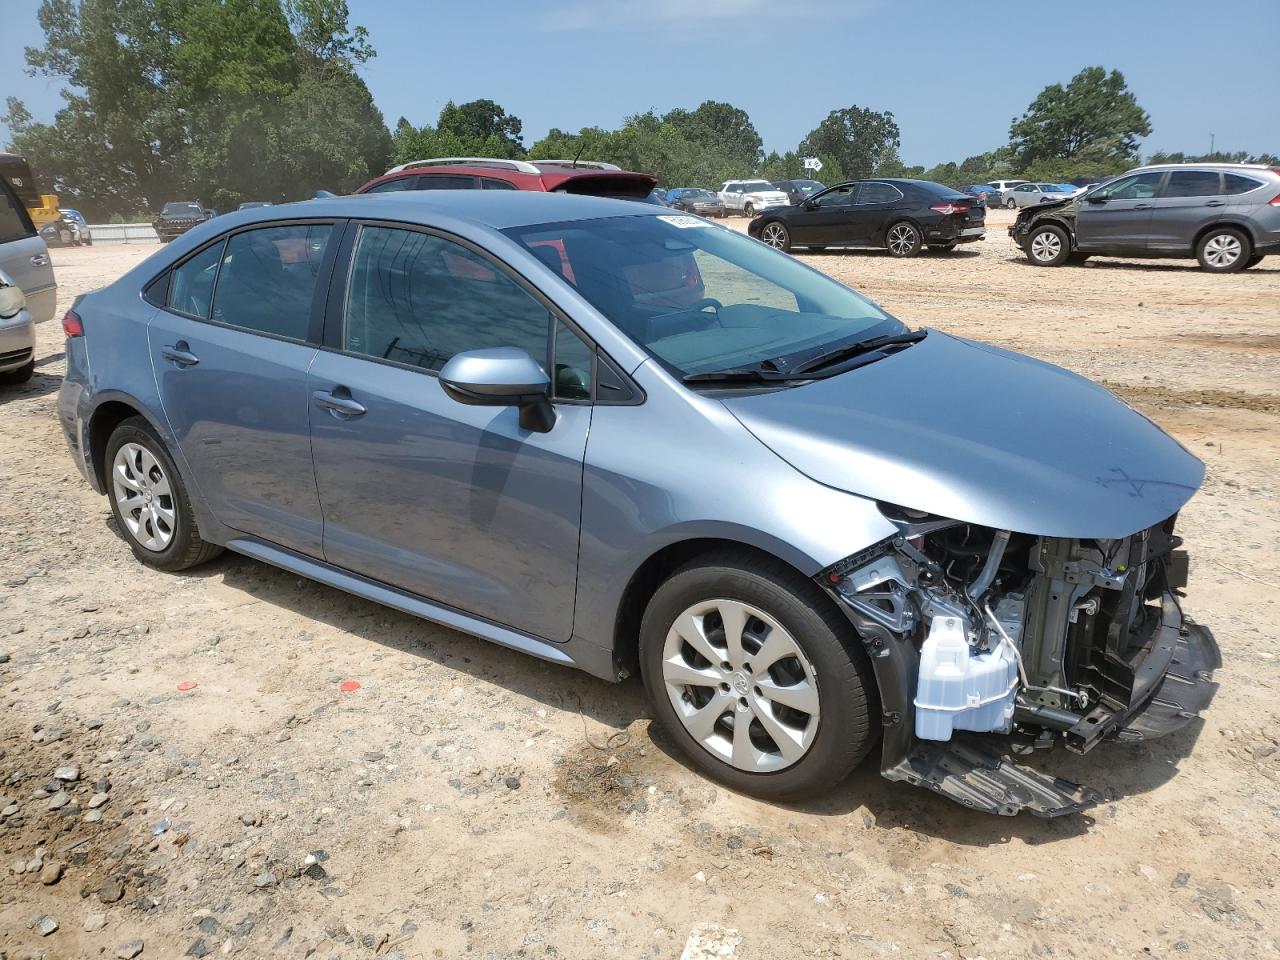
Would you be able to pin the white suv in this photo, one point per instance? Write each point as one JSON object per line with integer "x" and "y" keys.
{"x": 749, "y": 197}
{"x": 1002, "y": 188}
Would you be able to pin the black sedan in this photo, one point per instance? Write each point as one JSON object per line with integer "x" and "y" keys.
{"x": 901, "y": 216}
{"x": 798, "y": 191}
{"x": 696, "y": 200}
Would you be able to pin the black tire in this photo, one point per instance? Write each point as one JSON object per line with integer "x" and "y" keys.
{"x": 749, "y": 211}
{"x": 943, "y": 247}
{"x": 848, "y": 700}
{"x": 1223, "y": 250}
{"x": 1048, "y": 245}
{"x": 776, "y": 235}
{"x": 186, "y": 548}
{"x": 1011, "y": 204}
{"x": 12, "y": 378}
{"x": 903, "y": 239}
{"x": 1252, "y": 261}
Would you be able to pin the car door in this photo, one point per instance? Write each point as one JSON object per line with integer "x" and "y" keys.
{"x": 1187, "y": 201}
{"x": 872, "y": 210}
{"x": 230, "y": 347}
{"x": 1117, "y": 217}
{"x": 24, "y": 256}
{"x": 452, "y": 502}
{"x": 1025, "y": 194}
{"x": 823, "y": 218}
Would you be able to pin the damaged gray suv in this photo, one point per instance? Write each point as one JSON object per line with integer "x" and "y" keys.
{"x": 631, "y": 441}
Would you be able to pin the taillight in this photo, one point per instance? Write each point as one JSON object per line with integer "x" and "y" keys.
{"x": 71, "y": 324}
{"x": 1275, "y": 201}
{"x": 946, "y": 209}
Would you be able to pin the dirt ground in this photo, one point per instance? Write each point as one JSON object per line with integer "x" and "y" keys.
{"x": 465, "y": 800}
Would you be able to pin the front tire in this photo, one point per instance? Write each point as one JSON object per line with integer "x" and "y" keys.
{"x": 1223, "y": 250}
{"x": 749, "y": 211}
{"x": 756, "y": 677}
{"x": 903, "y": 239}
{"x": 1011, "y": 204}
{"x": 776, "y": 235}
{"x": 1048, "y": 246}
{"x": 150, "y": 502}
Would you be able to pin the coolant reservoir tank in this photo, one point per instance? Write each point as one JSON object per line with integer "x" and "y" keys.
{"x": 959, "y": 689}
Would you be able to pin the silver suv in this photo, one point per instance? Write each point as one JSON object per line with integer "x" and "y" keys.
{"x": 1226, "y": 215}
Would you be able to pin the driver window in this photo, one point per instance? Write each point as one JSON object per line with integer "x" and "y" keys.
{"x": 1141, "y": 186}
{"x": 838, "y": 197}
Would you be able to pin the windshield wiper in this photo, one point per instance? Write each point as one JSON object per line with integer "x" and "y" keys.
{"x": 740, "y": 375}
{"x": 850, "y": 350}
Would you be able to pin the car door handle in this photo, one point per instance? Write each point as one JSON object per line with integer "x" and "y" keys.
{"x": 339, "y": 402}
{"x": 180, "y": 354}
{"x": 1216, "y": 203}
{"x": 40, "y": 260}
{"x": 1142, "y": 206}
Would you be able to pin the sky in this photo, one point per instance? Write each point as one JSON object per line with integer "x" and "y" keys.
{"x": 953, "y": 73}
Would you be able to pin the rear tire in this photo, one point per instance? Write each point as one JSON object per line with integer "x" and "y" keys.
{"x": 149, "y": 500}
{"x": 1223, "y": 250}
{"x": 1011, "y": 204}
{"x": 12, "y": 378}
{"x": 782, "y": 751}
{"x": 1048, "y": 246}
{"x": 903, "y": 239}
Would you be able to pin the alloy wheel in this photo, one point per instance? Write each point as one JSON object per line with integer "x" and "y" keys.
{"x": 775, "y": 235}
{"x": 1223, "y": 250}
{"x": 741, "y": 685}
{"x": 1046, "y": 246}
{"x": 145, "y": 497}
{"x": 902, "y": 239}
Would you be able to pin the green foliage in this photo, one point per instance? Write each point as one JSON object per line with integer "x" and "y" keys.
{"x": 217, "y": 100}
{"x": 861, "y": 140}
{"x": 1094, "y": 119}
{"x": 1239, "y": 156}
{"x": 480, "y": 128}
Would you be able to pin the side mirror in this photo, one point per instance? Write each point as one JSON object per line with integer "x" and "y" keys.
{"x": 810, "y": 204}
{"x": 1095, "y": 198}
{"x": 501, "y": 377}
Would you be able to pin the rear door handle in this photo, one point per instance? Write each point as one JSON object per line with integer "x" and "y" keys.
{"x": 180, "y": 354}
{"x": 339, "y": 402}
{"x": 1216, "y": 203}
{"x": 40, "y": 260}
{"x": 1142, "y": 206}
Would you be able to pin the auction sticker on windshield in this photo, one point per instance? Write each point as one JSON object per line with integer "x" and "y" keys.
{"x": 684, "y": 221}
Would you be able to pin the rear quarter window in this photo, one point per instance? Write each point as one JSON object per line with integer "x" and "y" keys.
{"x": 1234, "y": 184}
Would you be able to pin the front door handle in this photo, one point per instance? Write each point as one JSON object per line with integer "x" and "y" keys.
{"x": 40, "y": 260}
{"x": 339, "y": 402}
{"x": 1216, "y": 203}
{"x": 180, "y": 353}
{"x": 1142, "y": 206}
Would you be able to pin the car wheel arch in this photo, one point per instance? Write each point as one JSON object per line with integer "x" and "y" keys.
{"x": 1233, "y": 223}
{"x": 108, "y": 413}
{"x": 654, "y": 570}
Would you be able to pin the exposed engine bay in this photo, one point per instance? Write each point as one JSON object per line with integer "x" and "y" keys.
{"x": 1047, "y": 640}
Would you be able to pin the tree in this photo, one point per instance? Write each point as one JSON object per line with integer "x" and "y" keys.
{"x": 480, "y": 128}
{"x": 860, "y": 140}
{"x": 217, "y": 100}
{"x": 1094, "y": 115}
{"x": 723, "y": 132}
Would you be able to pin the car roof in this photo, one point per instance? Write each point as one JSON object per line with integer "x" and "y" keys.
{"x": 549, "y": 175}
{"x": 495, "y": 209}
{"x": 1225, "y": 167}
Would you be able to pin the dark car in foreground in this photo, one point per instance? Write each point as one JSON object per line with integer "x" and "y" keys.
{"x": 177, "y": 217}
{"x": 629, "y": 440}
{"x": 901, "y": 216}
{"x": 798, "y": 191}
{"x": 1227, "y": 216}
{"x": 697, "y": 200}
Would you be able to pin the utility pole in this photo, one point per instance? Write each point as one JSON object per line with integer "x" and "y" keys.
{"x": 1211, "y": 144}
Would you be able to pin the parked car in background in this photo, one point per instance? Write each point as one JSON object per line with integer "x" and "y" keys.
{"x": 487, "y": 173}
{"x": 697, "y": 200}
{"x": 480, "y": 430}
{"x": 657, "y": 196}
{"x": 902, "y": 216}
{"x": 1029, "y": 194}
{"x": 177, "y": 217}
{"x": 1002, "y": 187}
{"x": 28, "y": 293}
{"x": 798, "y": 190}
{"x": 981, "y": 191}
{"x": 1227, "y": 216}
{"x": 69, "y": 230}
{"x": 748, "y": 197}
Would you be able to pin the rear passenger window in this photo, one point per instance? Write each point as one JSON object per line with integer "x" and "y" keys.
{"x": 440, "y": 181}
{"x": 1192, "y": 183}
{"x": 391, "y": 186}
{"x": 418, "y": 299}
{"x": 191, "y": 289}
{"x": 267, "y": 280}
{"x": 498, "y": 184}
{"x": 878, "y": 193}
{"x": 1237, "y": 184}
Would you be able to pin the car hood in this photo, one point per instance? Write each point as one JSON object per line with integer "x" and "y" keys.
{"x": 766, "y": 195}
{"x": 974, "y": 433}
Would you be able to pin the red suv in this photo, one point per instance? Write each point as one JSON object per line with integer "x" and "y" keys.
{"x": 481, "y": 173}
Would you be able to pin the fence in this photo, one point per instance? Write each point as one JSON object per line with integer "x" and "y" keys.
{"x": 123, "y": 233}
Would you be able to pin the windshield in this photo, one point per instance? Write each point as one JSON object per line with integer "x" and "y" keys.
{"x": 177, "y": 208}
{"x": 699, "y": 297}
{"x": 808, "y": 186}
{"x": 755, "y": 186}
{"x": 698, "y": 194}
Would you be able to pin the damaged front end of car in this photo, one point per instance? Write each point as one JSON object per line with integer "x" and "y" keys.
{"x": 975, "y": 632}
